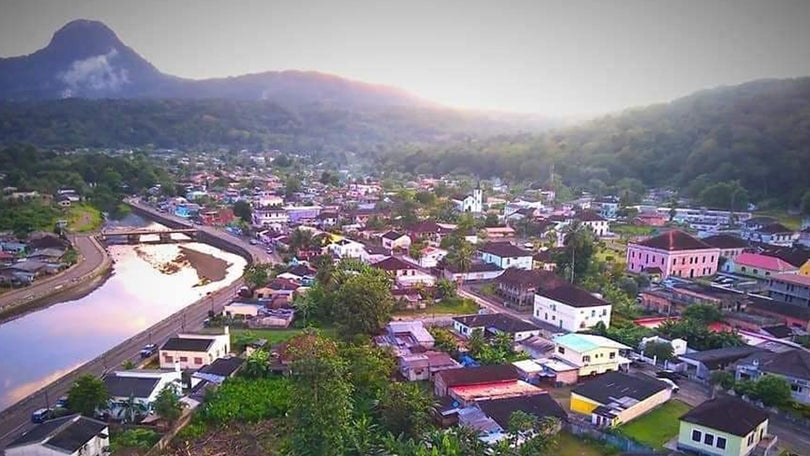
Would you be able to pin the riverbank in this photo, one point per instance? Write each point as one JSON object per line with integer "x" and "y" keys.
{"x": 92, "y": 269}
{"x": 208, "y": 267}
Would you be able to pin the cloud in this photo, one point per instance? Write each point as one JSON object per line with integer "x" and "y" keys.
{"x": 95, "y": 73}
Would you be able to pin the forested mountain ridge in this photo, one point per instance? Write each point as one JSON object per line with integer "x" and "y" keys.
{"x": 86, "y": 59}
{"x": 756, "y": 133}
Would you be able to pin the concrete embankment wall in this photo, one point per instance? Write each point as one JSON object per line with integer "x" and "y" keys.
{"x": 220, "y": 242}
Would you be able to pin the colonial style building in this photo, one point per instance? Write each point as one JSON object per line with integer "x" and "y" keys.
{"x": 674, "y": 253}
{"x": 570, "y": 308}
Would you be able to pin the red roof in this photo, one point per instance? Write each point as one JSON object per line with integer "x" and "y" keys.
{"x": 673, "y": 241}
{"x": 770, "y": 263}
{"x": 795, "y": 279}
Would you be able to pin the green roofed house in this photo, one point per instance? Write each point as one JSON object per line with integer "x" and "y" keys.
{"x": 725, "y": 426}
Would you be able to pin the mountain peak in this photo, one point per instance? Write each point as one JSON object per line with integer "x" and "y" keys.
{"x": 84, "y": 36}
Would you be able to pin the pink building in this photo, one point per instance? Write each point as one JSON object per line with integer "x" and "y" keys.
{"x": 673, "y": 253}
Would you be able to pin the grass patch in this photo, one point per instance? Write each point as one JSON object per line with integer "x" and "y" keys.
{"x": 794, "y": 222}
{"x": 241, "y": 337}
{"x": 632, "y": 230}
{"x": 457, "y": 306}
{"x": 83, "y": 218}
{"x": 571, "y": 445}
{"x": 657, "y": 427}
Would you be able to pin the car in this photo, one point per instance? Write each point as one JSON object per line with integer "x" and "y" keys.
{"x": 269, "y": 250}
{"x": 42, "y": 415}
{"x": 149, "y": 350}
{"x": 675, "y": 388}
{"x": 62, "y": 402}
{"x": 668, "y": 375}
{"x": 253, "y": 242}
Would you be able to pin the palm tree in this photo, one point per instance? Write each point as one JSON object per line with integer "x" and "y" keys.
{"x": 461, "y": 256}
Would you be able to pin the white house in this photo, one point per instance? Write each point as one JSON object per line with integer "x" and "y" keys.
{"x": 142, "y": 385}
{"x": 193, "y": 351}
{"x": 594, "y": 222}
{"x": 269, "y": 215}
{"x": 347, "y": 248}
{"x": 393, "y": 240}
{"x": 430, "y": 257}
{"x": 506, "y": 255}
{"x": 570, "y": 308}
{"x": 495, "y": 324}
{"x": 72, "y": 435}
{"x": 471, "y": 203}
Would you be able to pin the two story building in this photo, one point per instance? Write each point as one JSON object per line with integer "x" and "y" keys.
{"x": 393, "y": 240}
{"x": 674, "y": 253}
{"x": 730, "y": 246}
{"x": 193, "y": 351}
{"x": 518, "y": 286}
{"x": 792, "y": 365}
{"x": 790, "y": 288}
{"x": 591, "y": 354}
{"x": 570, "y": 308}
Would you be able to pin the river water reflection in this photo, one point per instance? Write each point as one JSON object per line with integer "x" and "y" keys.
{"x": 147, "y": 285}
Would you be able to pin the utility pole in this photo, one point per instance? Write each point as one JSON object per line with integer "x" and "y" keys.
{"x": 573, "y": 260}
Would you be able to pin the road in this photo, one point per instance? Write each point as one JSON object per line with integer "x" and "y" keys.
{"x": 92, "y": 256}
{"x": 16, "y": 419}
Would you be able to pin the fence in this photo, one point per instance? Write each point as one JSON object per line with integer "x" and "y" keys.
{"x": 167, "y": 438}
{"x": 621, "y": 442}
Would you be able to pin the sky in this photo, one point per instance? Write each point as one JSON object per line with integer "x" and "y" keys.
{"x": 555, "y": 58}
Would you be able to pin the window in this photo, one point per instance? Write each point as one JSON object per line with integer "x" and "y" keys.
{"x": 561, "y": 350}
{"x": 696, "y": 435}
{"x": 183, "y": 359}
{"x": 796, "y": 388}
{"x": 751, "y": 439}
{"x": 708, "y": 439}
{"x": 197, "y": 360}
{"x": 168, "y": 358}
{"x": 586, "y": 358}
{"x": 593, "y": 312}
{"x": 612, "y": 355}
{"x": 721, "y": 443}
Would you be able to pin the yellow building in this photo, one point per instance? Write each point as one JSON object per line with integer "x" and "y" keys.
{"x": 724, "y": 426}
{"x": 592, "y": 354}
{"x": 805, "y": 269}
{"x": 615, "y": 398}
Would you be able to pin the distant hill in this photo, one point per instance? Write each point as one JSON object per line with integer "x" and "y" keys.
{"x": 85, "y": 59}
{"x": 756, "y": 133}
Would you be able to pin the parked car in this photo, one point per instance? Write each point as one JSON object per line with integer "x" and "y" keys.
{"x": 668, "y": 375}
{"x": 62, "y": 402}
{"x": 42, "y": 415}
{"x": 674, "y": 387}
{"x": 149, "y": 350}
{"x": 253, "y": 242}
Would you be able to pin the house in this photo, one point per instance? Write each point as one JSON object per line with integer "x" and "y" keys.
{"x": 498, "y": 412}
{"x": 425, "y": 366}
{"x": 700, "y": 365}
{"x": 301, "y": 273}
{"x": 544, "y": 260}
{"x": 730, "y": 246}
{"x": 495, "y": 324}
{"x": 347, "y": 248}
{"x": 792, "y": 365}
{"x": 723, "y": 426}
{"x": 393, "y": 240}
{"x": 473, "y": 203}
{"x": 277, "y": 287}
{"x": 409, "y": 334}
{"x": 429, "y": 230}
{"x": 476, "y": 271}
{"x": 471, "y": 376}
{"x": 219, "y": 370}
{"x": 757, "y": 265}
{"x": 791, "y": 315}
{"x": 790, "y": 288}
{"x": 650, "y": 218}
{"x": 429, "y": 257}
{"x": 193, "y": 351}
{"x": 327, "y": 219}
{"x": 773, "y": 234}
{"x": 591, "y": 354}
{"x": 518, "y": 286}
{"x": 403, "y": 273}
{"x": 804, "y": 237}
{"x": 142, "y": 386}
{"x": 616, "y": 398}
{"x": 608, "y": 208}
{"x": 506, "y": 255}
{"x": 570, "y": 308}
{"x": 675, "y": 253}
{"x": 497, "y": 232}
{"x": 594, "y": 222}
{"x": 269, "y": 216}
{"x": 73, "y": 435}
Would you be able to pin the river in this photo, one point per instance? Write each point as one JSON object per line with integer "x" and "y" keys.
{"x": 147, "y": 285}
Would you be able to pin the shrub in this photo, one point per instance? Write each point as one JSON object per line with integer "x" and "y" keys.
{"x": 247, "y": 400}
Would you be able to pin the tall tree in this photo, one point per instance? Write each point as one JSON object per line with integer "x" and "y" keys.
{"x": 404, "y": 408}
{"x": 243, "y": 210}
{"x": 87, "y": 395}
{"x": 168, "y": 405}
{"x": 363, "y": 303}
{"x": 321, "y": 413}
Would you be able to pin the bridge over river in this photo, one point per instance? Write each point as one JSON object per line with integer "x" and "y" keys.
{"x": 134, "y": 236}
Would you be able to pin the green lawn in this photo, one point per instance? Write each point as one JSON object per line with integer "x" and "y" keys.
{"x": 448, "y": 307}
{"x": 657, "y": 427}
{"x": 83, "y": 218}
{"x": 571, "y": 445}
{"x": 632, "y": 230}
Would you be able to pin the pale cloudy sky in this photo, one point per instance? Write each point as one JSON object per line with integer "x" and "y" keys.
{"x": 551, "y": 57}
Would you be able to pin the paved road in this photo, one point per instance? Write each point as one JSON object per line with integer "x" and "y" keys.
{"x": 92, "y": 256}
{"x": 16, "y": 419}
